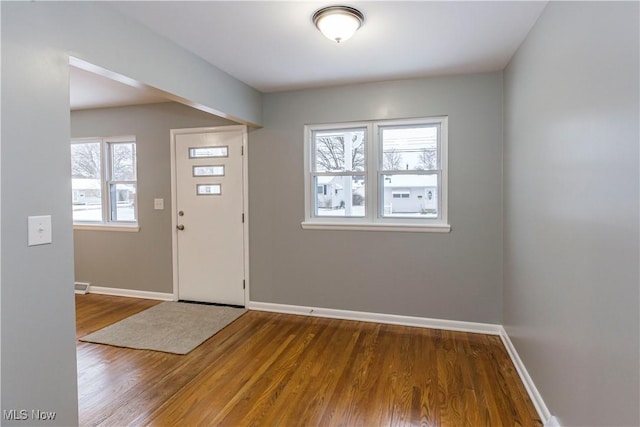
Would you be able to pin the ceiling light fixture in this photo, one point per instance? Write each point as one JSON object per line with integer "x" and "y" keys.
{"x": 338, "y": 23}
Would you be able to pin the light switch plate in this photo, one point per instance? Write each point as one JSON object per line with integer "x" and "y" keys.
{"x": 158, "y": 204}
{"x": 39, "y": 230}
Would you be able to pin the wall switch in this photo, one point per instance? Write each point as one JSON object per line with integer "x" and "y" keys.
{"x": 39, "y": 230}
{"x": 158, "y": 204}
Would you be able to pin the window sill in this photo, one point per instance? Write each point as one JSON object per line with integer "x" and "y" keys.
{"x": 134, "y": 228}
{"x": 412, "y": 228}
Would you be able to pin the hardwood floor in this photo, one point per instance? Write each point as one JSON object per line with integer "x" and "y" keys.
{"x": 270, "y": 369}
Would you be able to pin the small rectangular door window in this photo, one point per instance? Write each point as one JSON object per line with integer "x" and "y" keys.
{"x": 209, "y": 189}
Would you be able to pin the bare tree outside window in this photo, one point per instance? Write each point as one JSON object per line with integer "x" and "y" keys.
{"x": 330, "y": 152}
{"x": 123, "y": 158}
{"x": 392, "y": 160}
{"x": 427, "y": 159}
{"x": 85, "y": 160}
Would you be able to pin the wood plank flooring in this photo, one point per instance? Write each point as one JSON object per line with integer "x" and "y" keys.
{"x": 270, "y": 369}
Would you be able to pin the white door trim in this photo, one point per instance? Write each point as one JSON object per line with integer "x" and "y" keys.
{"x": 245, "y": 201}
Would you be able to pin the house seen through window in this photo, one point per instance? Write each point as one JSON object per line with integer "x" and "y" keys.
{"x": 390, "y": 172}
{"x": 104, "y": 180}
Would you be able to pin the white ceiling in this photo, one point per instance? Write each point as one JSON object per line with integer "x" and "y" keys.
{"x": 274, "y": 46}
{"x": 89, "y": 90}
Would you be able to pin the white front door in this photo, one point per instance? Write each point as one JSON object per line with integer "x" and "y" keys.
{"x": 209, "y": 215}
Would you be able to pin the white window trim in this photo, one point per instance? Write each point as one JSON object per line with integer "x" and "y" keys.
{"x": 86, "y": 226}
{"x": 108, "y": 148}
{"x": 105, "y": 159}
{"x": 374, "y": 221}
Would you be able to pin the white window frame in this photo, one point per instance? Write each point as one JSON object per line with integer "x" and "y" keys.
{"x": 374, "y": 219}
{"x": 106, "y": 154}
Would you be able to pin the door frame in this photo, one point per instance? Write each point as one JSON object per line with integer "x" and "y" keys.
{"x": 245, "y": 200}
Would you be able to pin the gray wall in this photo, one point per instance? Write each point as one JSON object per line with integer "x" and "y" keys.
{"x": 447, "y": 276}
{"x": 140, "y": 261}
{"x": 38, "y": 329}
{"x": 38, "y": 340}
{"x": 571, "y": 210}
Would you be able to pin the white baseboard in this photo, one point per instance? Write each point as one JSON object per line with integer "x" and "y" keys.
{"x": 543, "y": 412}
{"x": 392, "y": 319}
{"x": 131, "y": 293}
{"x": 552, "y": 422}
{"x": 81, "y": 288}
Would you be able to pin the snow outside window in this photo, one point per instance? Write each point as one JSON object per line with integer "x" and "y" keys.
{"x": 383, "y": 175}
{"x": 104, "y": 181}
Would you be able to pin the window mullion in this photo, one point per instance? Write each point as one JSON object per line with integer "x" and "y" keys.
{"x": 441, "y": 206}
{"x": 372, "y": 161}
{"x": 106, "y": 198}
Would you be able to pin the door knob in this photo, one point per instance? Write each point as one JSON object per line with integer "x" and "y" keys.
{"x": 180, "y": 227}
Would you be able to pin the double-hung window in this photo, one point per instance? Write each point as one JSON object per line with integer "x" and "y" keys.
{"x": 382, "y": 175}
{"x": 104, "y": 181}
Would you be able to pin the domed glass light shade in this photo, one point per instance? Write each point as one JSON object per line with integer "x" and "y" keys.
{"x": 338, "y": 23}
